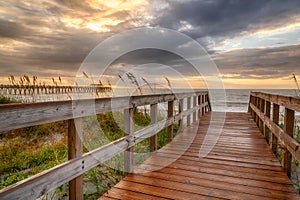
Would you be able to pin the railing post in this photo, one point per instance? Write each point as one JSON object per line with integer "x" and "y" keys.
{"x": 250, "y": 101}
{"x": 194, "y": 105}
{"x": 268, "y": 114}
{"x": 199, "y": 104}
{"x": 153, "y": 116}
{"x": 289, "y": 117}
{"x": 209, "y": 109}
{"x": 258, "y": 106}
{"x": 203, "y": 105}
{"x": 75, "y": 150}
{"x": 128, "y": 129}
{"x": 170, "y": 114}
{"x": 274, "y": 139}
{"x": 255, "y": 104}
{"x": 188, "y": 107}
{"x": 180, "y": 122}
{"x": 262, "y": 109}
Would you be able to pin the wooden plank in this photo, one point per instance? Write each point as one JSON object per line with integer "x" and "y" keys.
{"x": 194, "y": 105}
{"x": 128, "y": 130}
{"x": 240, "y": 182}
{"x": 75, "y": 149}
{"x": 209, "y": 109}
{"x": 203, "y": 102}
{"x": 153, "y": 116}
{"x": 200, "y": 110}
{"x": 188, "y": 187}
{"x": 242, "y": 191}
{"x": 257, "y": 105}
{"x": 188, "y": 104}
{"x": 268, "y": 114}
{"x": 162, "y": 192}
{"x": 262, "y": 109}
{"x": 289, "y": 117}
{"x": 170, "y": 115}
{"x": 180, "y": 110}
{"x": 275, "y": 119}
{"x": 118, "y": 193}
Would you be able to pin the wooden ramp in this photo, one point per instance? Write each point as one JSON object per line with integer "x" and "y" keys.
{"x": 240, "y": 166}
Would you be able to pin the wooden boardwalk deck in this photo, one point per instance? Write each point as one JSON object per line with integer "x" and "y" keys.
{"x": 240, "y": 166}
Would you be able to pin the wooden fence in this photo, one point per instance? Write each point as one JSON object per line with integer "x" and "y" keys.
{"x": 15, "y": 116}
{"x": 265, "y": 109}
{"x": 48, "y": 89}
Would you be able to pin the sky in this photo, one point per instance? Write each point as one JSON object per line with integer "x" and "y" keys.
{"x": 255, "y": 44}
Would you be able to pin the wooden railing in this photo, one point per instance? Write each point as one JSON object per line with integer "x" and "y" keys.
{"x": 15, "y": 116}
{"x": 49, "y": 89}
{"x": 268, "y": 122}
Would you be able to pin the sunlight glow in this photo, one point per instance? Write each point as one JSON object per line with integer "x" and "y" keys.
{"x": 111, "y": 13}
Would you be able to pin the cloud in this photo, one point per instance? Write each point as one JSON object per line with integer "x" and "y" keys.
{"x": 218, "y": 19}
{"x": 49, "y": 37}
{"x": 259, "y": 63}
{"x": 35, "y": 39}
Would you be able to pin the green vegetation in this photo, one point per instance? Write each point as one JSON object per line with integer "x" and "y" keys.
{"x": 295, "y": 168}
{"x": 7, "y": 100}
{"x": 31, "y": 150}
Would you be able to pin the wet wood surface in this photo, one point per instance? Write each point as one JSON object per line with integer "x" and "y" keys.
{"x": 240, "y": 166}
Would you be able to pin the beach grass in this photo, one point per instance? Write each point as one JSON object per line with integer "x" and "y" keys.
{"x": 28, "y": 151}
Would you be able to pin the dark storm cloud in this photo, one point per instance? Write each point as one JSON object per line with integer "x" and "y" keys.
{"x": 221, "y": 18}
{"x": 145, "y": 56}
{"x": 260, "y": 63}
{"x": 61, "y": 52}
{"x": 10, "y": 29}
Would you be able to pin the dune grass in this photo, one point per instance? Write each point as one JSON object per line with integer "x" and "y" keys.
{"x": 27, "y": 151}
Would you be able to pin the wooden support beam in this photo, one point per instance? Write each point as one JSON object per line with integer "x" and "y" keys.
{"x": 188, "y": 107}
{"x": 268, "y": 114}
{"x": 128, "y": 130}
{"x": 153, "y": 116}
{"x": 255, "y": 104}
{"x": 262, "y": 109}
{"x": 199, "y": 103}
{"x": 75, "y": 150}
{"x": 250, "y": 101}
{"x": 170, "y": 115}
{"x": 274, "y": 139}
{"x": 203, "y": 103}
{"x": 180, "y": 122}
{"x": 258, "y": 106}
{"x": 194, "y": 105}
{"x": 289, "y": 117}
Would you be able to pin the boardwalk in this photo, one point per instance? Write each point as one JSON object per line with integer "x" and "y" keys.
{"x": 241, "y": 166}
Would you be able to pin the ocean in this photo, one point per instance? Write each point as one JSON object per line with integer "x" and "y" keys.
{"x": 236, "y": 100}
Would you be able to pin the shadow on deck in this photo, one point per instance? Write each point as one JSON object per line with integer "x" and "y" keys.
{"x": 240, "y": 166}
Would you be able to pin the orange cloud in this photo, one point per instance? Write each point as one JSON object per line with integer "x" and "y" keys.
{"x": 111, "y": 13}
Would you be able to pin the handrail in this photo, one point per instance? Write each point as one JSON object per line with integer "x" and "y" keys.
{"x": 292, "y": 103}
{"x": 260, "y": 105}
{"x": 73, "y": 169}
{"x": 15, "y": 116}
